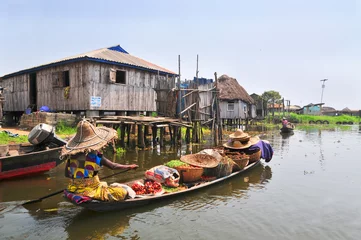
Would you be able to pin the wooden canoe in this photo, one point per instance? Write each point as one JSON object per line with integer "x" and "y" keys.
{"x": 101, "y": 206}
{"x": 287, "y": 129}
{"x": 27, "y": 161}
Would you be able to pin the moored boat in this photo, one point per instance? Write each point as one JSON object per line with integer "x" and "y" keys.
{"x": 28, "y": 162}
{"x": 102, "y": 206}
{"x": 17, "y": 160}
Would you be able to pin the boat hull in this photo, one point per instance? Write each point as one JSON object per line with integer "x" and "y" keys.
{"x": 286, "y": 130}
{"x": 29, "y": 164}
{"x": 100, "y": 206}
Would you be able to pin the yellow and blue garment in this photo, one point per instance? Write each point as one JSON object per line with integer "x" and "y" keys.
{"x": 84, "y": 169}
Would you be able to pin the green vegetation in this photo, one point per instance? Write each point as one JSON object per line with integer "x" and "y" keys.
{"x": 120, "y": 151}
{"x": 6, "y": 139}
{"x": 64, "y": 130}
{"x": 176, "y": 163}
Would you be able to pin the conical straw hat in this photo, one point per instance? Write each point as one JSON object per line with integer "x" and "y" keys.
{"x": 88, "y": 138}
{"x": 242, "y": 145}
{"x": 240, "y": 135}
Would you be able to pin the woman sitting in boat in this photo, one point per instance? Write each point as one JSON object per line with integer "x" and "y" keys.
{"x": 284, "y": 122}
{"x": 83, "y": 162}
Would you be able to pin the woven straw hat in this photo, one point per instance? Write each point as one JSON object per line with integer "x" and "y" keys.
{"x": 88, "y": 138}
{"x": 240, "y": 135}
{"x": 242, "y": 145}
{"x": 200, "y": 160}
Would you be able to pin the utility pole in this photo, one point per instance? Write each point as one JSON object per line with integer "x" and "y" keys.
{"x": 323, "y": 87}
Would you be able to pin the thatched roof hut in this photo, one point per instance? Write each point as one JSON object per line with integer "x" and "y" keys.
{"x": 229, "y": 89}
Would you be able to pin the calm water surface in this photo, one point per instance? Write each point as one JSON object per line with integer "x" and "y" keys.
{"x": 310, "y": 190}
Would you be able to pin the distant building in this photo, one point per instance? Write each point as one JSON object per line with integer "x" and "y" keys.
{"x": 312, "y": 109}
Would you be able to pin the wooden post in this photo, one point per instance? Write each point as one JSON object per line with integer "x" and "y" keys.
{"x": 179, "y": 93}
{"x": 154, "y": 134}
{"x": 146, "y": 129}
{"x": 122, "y": 134}
{"x": 179, "y": 139}
{"x": 170, "y": 133}
{"x": 128, "y": 133}
{"x": 141, "y": 143}
{"x": 188, "y": 135}
{"x": 161, "y": 137}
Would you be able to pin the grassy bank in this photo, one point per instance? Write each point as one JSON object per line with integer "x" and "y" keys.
{"x": 309, "y": 119}
{"x": 6, "y": 139}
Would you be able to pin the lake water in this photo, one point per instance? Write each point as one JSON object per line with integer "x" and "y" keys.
{"x": 310, "y": 190}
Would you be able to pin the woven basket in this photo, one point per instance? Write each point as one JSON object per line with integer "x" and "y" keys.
{"x": 189, "y": 174}
{"x": 242, "y": 163}
{"x": 254, "y": 156}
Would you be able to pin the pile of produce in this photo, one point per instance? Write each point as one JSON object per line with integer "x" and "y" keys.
{"x": 150, "y": 187}
{"x": 176, "y": 164}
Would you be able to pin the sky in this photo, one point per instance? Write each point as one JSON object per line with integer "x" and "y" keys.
{"x": 282, "y": 45}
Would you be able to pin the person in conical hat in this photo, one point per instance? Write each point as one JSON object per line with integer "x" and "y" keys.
{"x": 84, "y": 160}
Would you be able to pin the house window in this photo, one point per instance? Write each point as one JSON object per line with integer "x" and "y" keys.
{"x": 120, "y": 77}
{"x": 61, "y": 79}
{"x": 230, "y": 106}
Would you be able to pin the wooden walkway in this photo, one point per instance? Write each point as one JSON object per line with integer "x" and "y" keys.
{"x": 142, "y": 126}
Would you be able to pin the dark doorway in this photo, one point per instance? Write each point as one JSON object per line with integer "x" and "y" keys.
{"x": 33, "y": 90}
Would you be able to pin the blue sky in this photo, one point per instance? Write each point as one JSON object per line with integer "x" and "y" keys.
{"x": 287, "y": 46}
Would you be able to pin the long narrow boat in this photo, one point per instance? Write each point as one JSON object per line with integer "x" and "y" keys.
{"x": 28, "y": 162}
{"x": 101, "y": 206}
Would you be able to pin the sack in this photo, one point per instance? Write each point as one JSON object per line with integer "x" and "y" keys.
{"x": 163, "y": 174}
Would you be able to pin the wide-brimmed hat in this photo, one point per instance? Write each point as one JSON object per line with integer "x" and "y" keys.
{"x": 88, "y": 138}
{"x": 200, "y": 160}
{"x": 240, "y": 135}
{"x": 236, "y": 144}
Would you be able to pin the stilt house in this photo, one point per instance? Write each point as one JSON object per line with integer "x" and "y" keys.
{"x": 104, "y": 80}
{"x": 234, "y": 101}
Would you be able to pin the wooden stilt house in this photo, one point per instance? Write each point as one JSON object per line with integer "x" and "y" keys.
{"x": 104, "y": 80}
{"x": 234, "y": 101}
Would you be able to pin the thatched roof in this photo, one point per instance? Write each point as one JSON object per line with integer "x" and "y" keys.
{"x": 346, "y": 109}
{"x": 229, "y": 89}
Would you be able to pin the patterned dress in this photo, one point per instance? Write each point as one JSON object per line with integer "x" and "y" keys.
{"x": 85, "y": 181}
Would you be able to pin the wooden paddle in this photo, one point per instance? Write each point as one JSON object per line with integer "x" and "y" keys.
{"x": 62, "y": 190}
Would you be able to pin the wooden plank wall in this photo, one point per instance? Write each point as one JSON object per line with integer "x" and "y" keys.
{"x": 16, "y": 93}
{"x": 137, "y": 94}
{"x": 205, "y": 100}
{"x": 54, "y": 96}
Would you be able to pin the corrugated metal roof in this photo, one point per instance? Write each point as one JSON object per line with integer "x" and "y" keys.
{"x": 112, "y": 55}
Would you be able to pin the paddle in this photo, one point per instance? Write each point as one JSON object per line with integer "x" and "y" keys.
{"x": 62, "y": 190}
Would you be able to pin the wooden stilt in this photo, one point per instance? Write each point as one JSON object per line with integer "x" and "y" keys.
{"x": 170, "y": 133}
{"x": 161, "y": 140}
{"x": 140, "y": 136}
{"x": 146, "y": 129}
{"x": 188, "y": 135}
{"x": 128, "y": 133}
{"x": 122, "y": 135}
{"x": 154, "y": 134}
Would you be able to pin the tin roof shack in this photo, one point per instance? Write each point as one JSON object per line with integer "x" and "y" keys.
{"x": 107, "y": 79}
{"x": 234, "y": 101}
{"x": 312, "y": 109}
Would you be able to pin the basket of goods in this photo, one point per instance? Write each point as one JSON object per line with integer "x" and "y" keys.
{"x": 240, "y": 160}
{"x": 187, "y": 172}
{"x": 253, "y": 154}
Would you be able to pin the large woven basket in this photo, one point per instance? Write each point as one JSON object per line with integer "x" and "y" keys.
{"x": 242, "y": 163}
{"x": 187, "y": 174}
{"x": 254, "y": 156}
